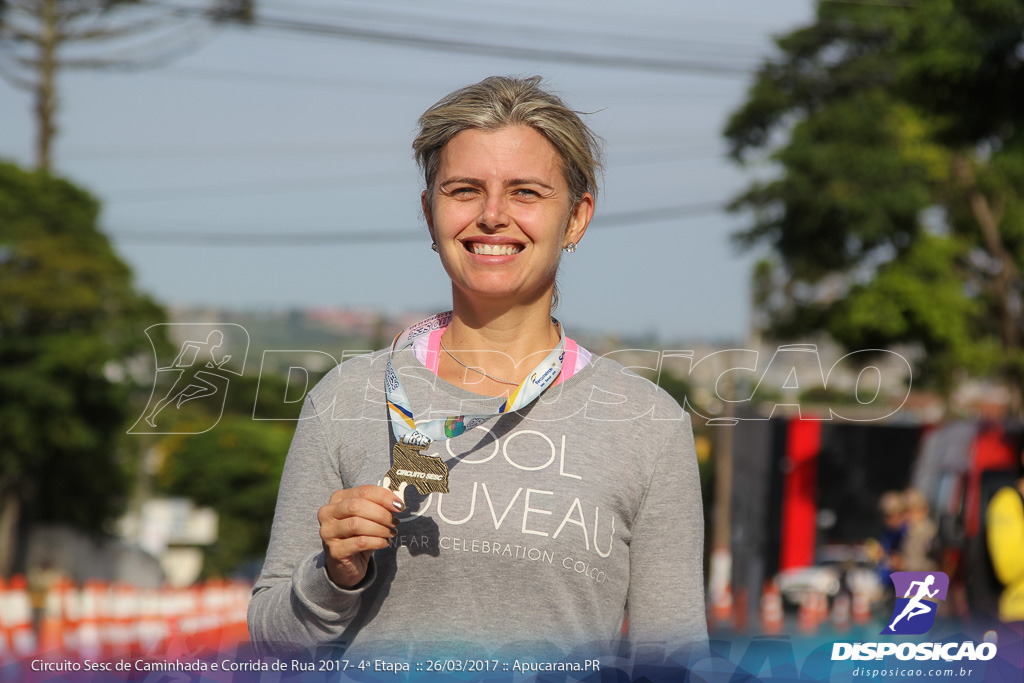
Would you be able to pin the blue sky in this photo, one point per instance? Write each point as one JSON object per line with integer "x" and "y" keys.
{"x": 271, "y": 132}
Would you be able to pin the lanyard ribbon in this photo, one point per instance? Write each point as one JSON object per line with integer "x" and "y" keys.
{"x": 421, "y": 433}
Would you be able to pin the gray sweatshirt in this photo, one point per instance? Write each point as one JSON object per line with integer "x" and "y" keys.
{"x": 559, "y": 519}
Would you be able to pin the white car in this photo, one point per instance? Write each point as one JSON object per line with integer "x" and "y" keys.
{"x": 827, "y": 575}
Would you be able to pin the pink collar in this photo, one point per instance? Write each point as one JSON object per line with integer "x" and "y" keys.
{"x": 428, "y": 351}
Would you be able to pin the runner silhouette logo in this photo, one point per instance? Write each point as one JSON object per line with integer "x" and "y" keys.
{"x": 206, "y": 356}
{"x": 914, "y": 613}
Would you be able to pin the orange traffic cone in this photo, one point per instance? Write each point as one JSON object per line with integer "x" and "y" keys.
{"x": 19, "y": 615}
{"x": 181, "y": 622}
{"x": 5, "y": 635}
{"x": 242, "y": 593}
{"x": 721, "y": 607}
{"x": 212, "y": 606}
{"x": 71, "y": 612}
{"x": 820, "y": 608}
{"x": 810, "y": 613}
{"x": 861, "y": 608}
{"x": 841, "y": 613}
{"x": 89, "y": 637}
{"x": 150, "y": 628}
{"x": 771, "y": 610}
{"x": 51, "y": 629}
{"x": 120, "y": 619}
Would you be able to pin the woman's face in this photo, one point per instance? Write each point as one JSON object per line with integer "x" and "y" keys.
{"x": 500, "y": 213}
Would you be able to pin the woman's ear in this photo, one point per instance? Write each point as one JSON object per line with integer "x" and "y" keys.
{"x": 579, "y": 219}
{"x": 428, "y": 214}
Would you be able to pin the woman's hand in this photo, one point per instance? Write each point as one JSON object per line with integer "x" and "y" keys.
{"x": 353, "y": 524}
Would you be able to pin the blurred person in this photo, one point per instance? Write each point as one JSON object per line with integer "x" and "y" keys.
{"x": 1004, "y": 532}
{"x": 917, "y": 550}
{"x": 41, "y": 578}
{"x": 517, "y": 512}
{"x": 894, "y": 520}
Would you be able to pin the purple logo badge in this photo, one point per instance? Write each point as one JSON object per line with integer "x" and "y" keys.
{"x": 914, "y": 612}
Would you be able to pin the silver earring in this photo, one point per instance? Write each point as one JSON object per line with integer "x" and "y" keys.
{"x": 433, "y": 245}
{"x": 571, "y": 247}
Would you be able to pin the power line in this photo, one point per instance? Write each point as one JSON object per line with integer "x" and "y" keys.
{"x": 706, "y": 68}
{"x": 397, "y": 145}
{"x": 301, "y": 81}
{"x": 682, "y": 46}
{"x": 898, "y": 4}
{"x": 301, "y": 148}
{"x": 392, "y": 236}
{"x": 421, "y": 19}
{"x": 360, "y": 179}
{"x": 550, "y": 13}
{"x": 306, "y": 148}
{"x": 391, "y": 89}
{"x": 262, "y": 188}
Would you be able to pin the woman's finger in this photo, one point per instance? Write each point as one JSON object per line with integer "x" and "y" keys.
{"x": 377, "y": 494}
{"x": 343, "y": 549}
{"x": 355, "y": 526}
{"x": 367, "y": 509}
{"x": 355, "y": 506}
{"x": 382, "y": 496}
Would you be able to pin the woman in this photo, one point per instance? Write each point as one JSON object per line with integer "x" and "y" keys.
{"x": 532, "y": 493}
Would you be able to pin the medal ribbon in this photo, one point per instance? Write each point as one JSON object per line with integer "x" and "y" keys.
{"x": 420, "y": 433}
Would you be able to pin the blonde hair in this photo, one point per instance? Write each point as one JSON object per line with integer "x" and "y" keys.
{"x": 499, "y": 101}
{"x": 892, "y": 503}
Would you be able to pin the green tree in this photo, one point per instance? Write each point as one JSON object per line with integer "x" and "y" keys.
{"x": 234, "y": 468}
{"x": 896, "y": 215}
{"x": 69, "y": 318}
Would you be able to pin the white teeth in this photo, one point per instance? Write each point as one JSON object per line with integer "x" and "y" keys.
{"x": 495, "y": 249}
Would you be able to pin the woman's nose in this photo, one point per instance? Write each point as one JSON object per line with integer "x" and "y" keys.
{"x": 494, "y": 214}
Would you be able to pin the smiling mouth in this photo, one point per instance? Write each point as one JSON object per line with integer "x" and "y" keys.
{"x": 493, "y": 249}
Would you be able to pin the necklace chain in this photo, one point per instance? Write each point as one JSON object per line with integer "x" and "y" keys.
{"x": 479, "y": 370}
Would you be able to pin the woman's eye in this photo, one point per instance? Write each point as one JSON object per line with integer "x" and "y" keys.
{"x": 523, "y": 192}
{"x": 463, "y": 191}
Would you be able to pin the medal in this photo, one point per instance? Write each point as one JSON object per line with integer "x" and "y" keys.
{"x": 409, "y": 466}
{"x": 429, "y": 474}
